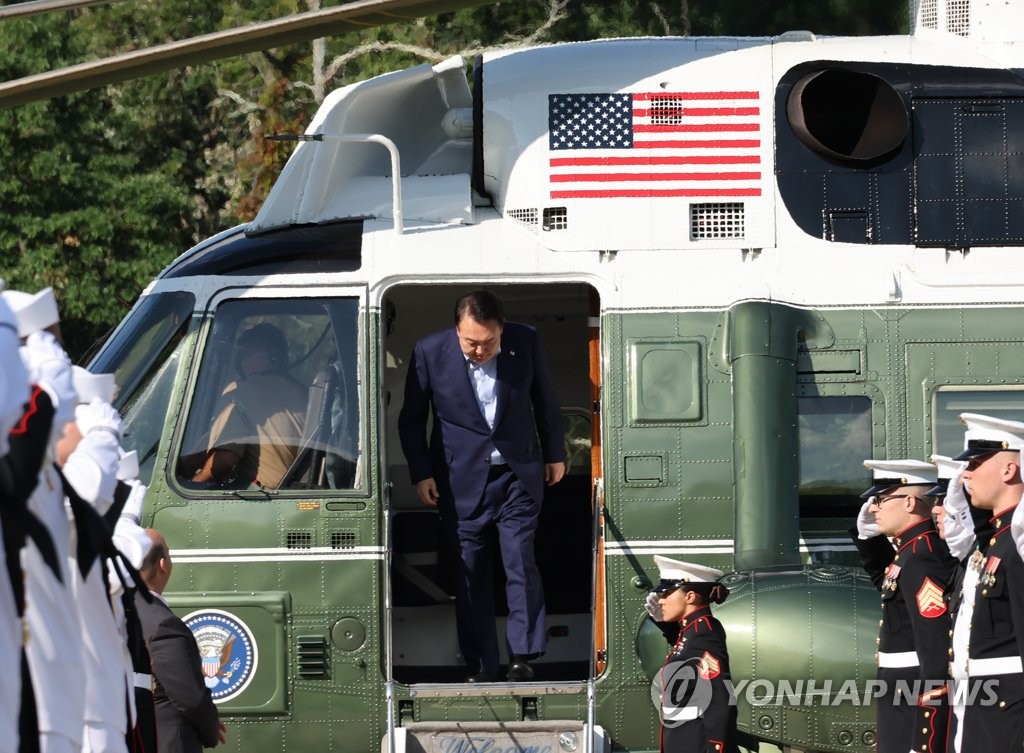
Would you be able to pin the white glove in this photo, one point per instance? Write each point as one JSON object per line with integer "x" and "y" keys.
{"x": 1017, "y": 529}
{"x": 653, "y": 607}
{"x": 867, "y": 526}
{"x": 98, "y": 416}
{"x": 958, "y": 525}
{"x": 49, "y": 367}
{"x": 133, "y": 505}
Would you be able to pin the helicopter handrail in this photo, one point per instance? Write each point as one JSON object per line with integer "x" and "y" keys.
{"x": 362, "y": 138}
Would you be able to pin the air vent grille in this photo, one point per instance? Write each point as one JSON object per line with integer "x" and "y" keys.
{"x": 312, "y": 653}
{"x": 666, "y": 110}
{"x": 958, "y": 17}
{"x": 344, "y": 539}
{"x": 717, "y": 221}
{"x": 556, "y": 218}
{"x": 298, "y": 539}
{"x": 528, "y": 217}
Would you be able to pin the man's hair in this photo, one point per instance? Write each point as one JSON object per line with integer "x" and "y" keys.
{"x": 480, "y": 306}
{"x": 149, "y": 564}
{"x": 269, "y": 339}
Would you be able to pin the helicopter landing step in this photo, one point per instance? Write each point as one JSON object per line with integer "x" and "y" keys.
{"x": 556, "y": 736}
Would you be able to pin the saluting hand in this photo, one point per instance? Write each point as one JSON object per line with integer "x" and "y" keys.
{"x": 867, "y": 526}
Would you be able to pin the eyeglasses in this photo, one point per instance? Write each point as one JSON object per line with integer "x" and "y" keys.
{"x": 664, "y": 591}
{"x": 879, "y": 501}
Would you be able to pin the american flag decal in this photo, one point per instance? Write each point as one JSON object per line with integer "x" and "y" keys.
{"x": 663, "y": 144}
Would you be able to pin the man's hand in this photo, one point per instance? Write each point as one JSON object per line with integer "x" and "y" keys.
{"x": 222, "y": 733}
{"x": 653, "y": 606}
{"x": 867, "y": 526}
{"x": 426, "y": 490}
{"x": 553, "y": 473}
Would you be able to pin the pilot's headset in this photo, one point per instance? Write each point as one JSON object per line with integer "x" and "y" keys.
{"x": 265, "y": 337}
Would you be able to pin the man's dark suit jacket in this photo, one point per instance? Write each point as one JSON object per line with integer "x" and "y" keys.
{"x": 527, "y": 423}
{"x": 186, "y": 718}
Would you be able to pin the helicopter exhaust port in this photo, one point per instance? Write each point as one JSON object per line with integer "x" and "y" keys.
{"x": 851, "y": 116}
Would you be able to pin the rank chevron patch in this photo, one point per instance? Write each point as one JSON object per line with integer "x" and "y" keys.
{"x": 709, "y": 666}
{"x": 929, "y": 600}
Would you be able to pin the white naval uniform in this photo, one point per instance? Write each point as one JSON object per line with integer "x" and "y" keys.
{"x": 92, "y": 472}
{"x": 14, "y": 390}
{"x": 55, "y": 647}
{"x": 10, "y": 655}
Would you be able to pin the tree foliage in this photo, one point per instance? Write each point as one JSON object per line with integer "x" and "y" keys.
{"x": 102, "y": 189}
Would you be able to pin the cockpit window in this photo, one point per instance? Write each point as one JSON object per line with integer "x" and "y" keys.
{"x": 276, "y": 405}
{"x": 144, "y": 356}
{"x": 835, "y": 437}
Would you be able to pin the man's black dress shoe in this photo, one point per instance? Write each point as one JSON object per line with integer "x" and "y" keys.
{"x": 519, "y": 669}
{"x": 480, "y": 677}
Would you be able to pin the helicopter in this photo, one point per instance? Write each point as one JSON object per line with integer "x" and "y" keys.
{"x": 754, "y": 262}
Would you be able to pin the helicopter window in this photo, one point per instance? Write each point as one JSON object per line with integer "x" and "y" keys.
{"x": 1001, "y": 401}
{"x": 276, "y": 405}
{"x": 143, "y": 356}
{"x": 835, "y": 436}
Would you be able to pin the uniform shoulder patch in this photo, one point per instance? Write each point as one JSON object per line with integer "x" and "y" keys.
{"x": 710, "y": 668}
{"x": 929, "y": 600}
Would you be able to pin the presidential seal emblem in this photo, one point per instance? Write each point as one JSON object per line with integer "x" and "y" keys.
{"x": 227, "y": 651}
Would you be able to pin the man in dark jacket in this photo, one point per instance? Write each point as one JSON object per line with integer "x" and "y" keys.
{"x": 496, "y": 441}
{"x": 186, "y": 718}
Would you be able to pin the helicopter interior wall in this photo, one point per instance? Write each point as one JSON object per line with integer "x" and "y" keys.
{"x": 425, "y": 648}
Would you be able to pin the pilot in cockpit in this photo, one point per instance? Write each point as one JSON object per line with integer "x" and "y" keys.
{"x": 256, "y": 433}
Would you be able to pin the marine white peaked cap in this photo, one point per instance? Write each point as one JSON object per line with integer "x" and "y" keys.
{"x": 988, "y": 434}
{"x": 686, "y": 572}
{"x": 886, "y": 474}
{"x": 947, "y": 467}
{"x": 34, "y": 311}
{"x": 128, "y": 466}
{"x": 89, "y": 385}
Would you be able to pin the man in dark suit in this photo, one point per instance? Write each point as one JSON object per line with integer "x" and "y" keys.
{"x": 186, "y": 718}
{"x": 496, "y": 440}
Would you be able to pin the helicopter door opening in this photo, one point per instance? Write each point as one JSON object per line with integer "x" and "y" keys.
{"x": 424, "y": 642}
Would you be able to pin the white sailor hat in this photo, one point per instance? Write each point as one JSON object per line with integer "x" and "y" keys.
{"x": 34, "y": 311}
{"x": 987, "y": 434}
{"x": 89, "y": 385}
{"x": 128, "y": 465}
{"x": 675, "y": 574}
{"x": 14, "y": 387}
{"x": 886, "y": 474}
{"x": 947, "y": 468}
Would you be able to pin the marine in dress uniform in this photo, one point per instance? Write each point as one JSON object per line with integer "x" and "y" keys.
{"x": 989, "y": 624}
{"x": 913, "y": 573}
{"x": 55, "y": 646}
{"x": 695, "y": 684}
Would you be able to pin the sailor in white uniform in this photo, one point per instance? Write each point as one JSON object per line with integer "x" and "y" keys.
{"x": 54, "y": 648}
{"x": 14, "y": 392}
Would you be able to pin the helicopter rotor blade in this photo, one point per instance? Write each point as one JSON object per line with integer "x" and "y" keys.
{"x": 35, "y": 7}
{"x": 300, "y": 27}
